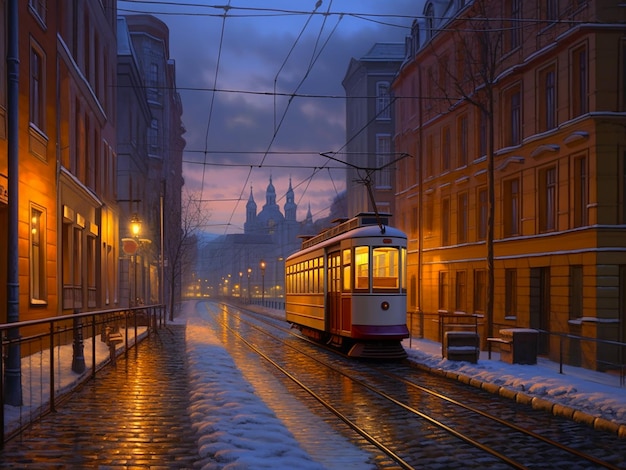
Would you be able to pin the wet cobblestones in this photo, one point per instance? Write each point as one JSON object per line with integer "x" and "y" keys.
{"x": 133, "y": 415}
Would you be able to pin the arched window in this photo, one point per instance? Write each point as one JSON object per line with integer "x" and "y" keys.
{"x": 429, "y": 14}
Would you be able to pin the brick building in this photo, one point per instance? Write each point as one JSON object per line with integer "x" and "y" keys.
{"x": 529, "y": 97}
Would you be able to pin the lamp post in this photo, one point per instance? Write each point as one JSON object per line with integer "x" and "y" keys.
{"x": 249, "y": 272}
{"x": 240, "y": 280}
{"x": 263, "y": 283}
{"x": 135, "y": 230}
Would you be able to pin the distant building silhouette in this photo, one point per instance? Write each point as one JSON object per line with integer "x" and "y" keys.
{"x": 230, "y": 265}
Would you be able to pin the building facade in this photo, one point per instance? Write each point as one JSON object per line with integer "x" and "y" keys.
{"x": 67, "y": 214}
{"x": 150, "y": 162}
{"x": 531, "y": 131}
{"x": 370, "y": 128}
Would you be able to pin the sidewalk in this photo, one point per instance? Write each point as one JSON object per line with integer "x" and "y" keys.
{"x": 134, "y": 414}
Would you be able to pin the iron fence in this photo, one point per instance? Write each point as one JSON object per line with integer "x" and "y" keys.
{"x": 44, "y": 360}
{"x": 563, "y": 349}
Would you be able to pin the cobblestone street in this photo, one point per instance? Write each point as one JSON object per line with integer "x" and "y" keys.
{"x": 133, "y": 415}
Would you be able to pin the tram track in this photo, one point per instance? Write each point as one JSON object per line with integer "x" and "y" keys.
{"x": 384, "y": 384}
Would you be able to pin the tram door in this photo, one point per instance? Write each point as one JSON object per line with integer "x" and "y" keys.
{"x": 333, "y": 274}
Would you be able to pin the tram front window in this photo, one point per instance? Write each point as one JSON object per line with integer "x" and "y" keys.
{"x": 385, "y": 268}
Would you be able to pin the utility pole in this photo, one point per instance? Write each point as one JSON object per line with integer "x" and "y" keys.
{"x": 13, "y": 369}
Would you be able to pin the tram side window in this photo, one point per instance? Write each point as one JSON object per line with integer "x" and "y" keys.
{"x": 386, "y": 268}
{"x": 403, "y": 267}
{"x": 347, "y": 269}
{"x": 361, "y": 267}
{"x": 320, "y": 276}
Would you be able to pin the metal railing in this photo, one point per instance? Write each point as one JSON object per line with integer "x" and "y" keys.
{"x": 44, "y": 360}
{"x": 600, "y": 355}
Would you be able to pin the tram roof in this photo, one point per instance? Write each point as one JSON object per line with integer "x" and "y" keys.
{"x": 363, "y": 225}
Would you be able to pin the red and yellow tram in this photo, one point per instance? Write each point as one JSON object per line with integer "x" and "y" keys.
{"x": 347, "y": 287}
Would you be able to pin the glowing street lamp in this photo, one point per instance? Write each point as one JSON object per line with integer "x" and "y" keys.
{"x": 135, "y": 230}
{"x": 249, "y": 272}
{"x": 263, "y": 282}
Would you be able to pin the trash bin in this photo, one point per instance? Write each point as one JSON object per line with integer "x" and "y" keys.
{"x": 461, "y": 346}
{"x": 522, "y": 345}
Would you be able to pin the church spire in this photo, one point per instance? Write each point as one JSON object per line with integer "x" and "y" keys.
{"x": 250, "y": 223}
{"x": 290, "y": 205}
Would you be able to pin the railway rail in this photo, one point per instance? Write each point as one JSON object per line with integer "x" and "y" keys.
{"x": 414, "y": 419}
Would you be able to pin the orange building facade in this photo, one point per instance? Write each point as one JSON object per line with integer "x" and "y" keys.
{"x": 67, "y": 217}
{"x": 546, "y": 80}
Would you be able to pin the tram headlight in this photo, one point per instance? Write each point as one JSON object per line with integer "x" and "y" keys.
{"x": 384, "y": 305}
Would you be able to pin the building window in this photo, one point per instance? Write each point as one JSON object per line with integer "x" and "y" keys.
{"x": 576, "y": 292}
{"x": 383, "y": 101}
{"x": 482, "y": 134}
{"x": 480, "y": 290}
{"x": 515, "y": 31}
{"x": 623, "y": 192}
{"x": 462, "y": 218}
{"x": 414, "y": 221}
{"x": 37, "y": 255}
{"x": 511, "y": 209}
{"x": 443, "y": 290}
{"x": 429, "y": 15}
{"x": 37, "y": 88}
{"x": 580, "y": 88}
{"x": 510, "y": 292}
{"x": 445, "y": 222}
{"x": 429, "y": 156}
{"x": 580, "y": 192}
{"x": 383, "y": 157}
{"x": 547, "y": 199}
{"x": 552, "y": 10}
{"x": 428, "y": 217}
{"x": 481, "y": 214}
{"x": 152, "y": 82}
{"x": 39, "y": 7}
{"x": 547, "y": 99}
{"x": 460, "y": 288}
{"x": 463, "y": 136}
{"x": 513, "y": 116}
{"x": 153, "y": 137}
{"x": 445, "y": 149}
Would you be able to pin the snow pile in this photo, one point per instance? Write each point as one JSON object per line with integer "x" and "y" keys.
{"x": 594, "y": 393}
{"x": 236, "y": 429}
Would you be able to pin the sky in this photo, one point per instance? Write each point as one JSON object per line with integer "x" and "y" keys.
{"x": 241, "y": 424}
{"x": 262, "y": 95}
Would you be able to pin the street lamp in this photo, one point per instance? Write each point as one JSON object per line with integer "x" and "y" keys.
{"x": 249, "y": 272}
{"x": 262, "y": 282}
{"x": 240, "y": 280}
{"x": 135, "y": 230}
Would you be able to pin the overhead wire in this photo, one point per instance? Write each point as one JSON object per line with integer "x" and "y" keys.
{"x": 314, "y": 57}
{"x": 212, "y": 102}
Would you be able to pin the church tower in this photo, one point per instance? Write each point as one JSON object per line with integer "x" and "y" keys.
{"x": 250, "y": 224}
{"x": 290, "y": 205}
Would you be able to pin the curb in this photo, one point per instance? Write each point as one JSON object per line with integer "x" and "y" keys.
{"x": 556, "y": 409}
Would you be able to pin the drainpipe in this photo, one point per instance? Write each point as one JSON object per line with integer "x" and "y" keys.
{"x": 13, "y": 369}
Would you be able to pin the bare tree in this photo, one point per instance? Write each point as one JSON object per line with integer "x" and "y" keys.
{"x": 180, "y": 248}
{"x": 477, "y": 46}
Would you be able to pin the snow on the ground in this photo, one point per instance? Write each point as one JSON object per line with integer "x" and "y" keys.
{"x": 595, "y": 393}
{"x": 237, "y": 429}
{"x": 236, "y": 425}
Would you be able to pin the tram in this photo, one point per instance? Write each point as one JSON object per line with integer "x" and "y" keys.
{"x": 346, "y": 287}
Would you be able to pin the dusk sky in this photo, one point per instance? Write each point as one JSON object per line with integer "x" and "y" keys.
{"x": 236, "y": 76}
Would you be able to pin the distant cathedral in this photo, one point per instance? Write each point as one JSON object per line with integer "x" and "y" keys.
{"x": 283, "y": 229}
{"x": 269, "y": 236}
